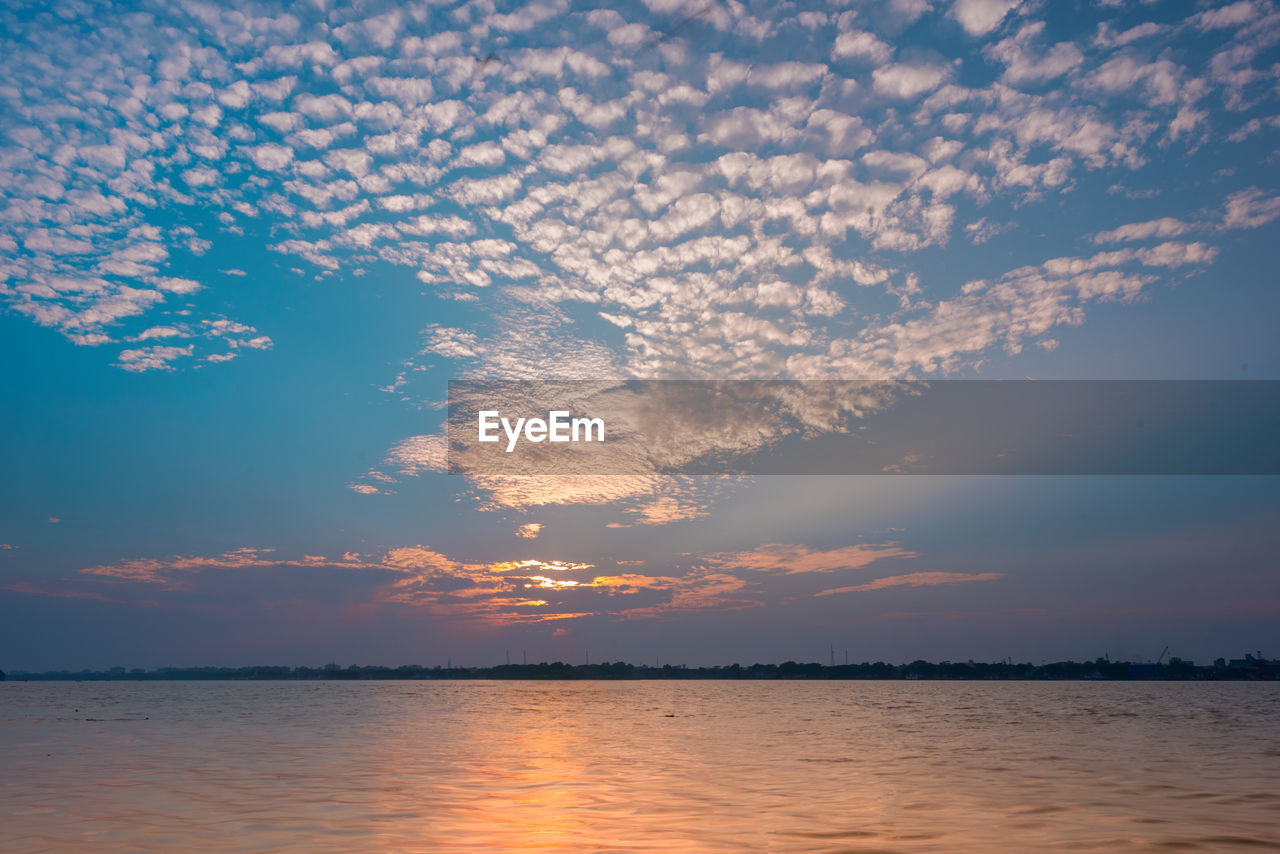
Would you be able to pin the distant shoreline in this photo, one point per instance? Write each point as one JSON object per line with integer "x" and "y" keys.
{"x": 1247, "y": 669}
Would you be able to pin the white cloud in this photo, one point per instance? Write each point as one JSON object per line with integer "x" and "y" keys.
{"x": 271, "y": 157}
{"x": 159, "y": 332}
{"x": 282, "y": 122}
{"x": 157, "y": 358}
{"x": 979, "y": 17}
{"x": 176, "y": 285}
{"x": 1250, "y": 208}
{"x": 1164, "y": 227}
{"x": 200, "y": 177}
{"x": 1025, "y": 61}
{"x": 236, "y": 96}
{"x": 862, "y": 45}
{"x": 908, "y": 80}
{"x": 1231, "y": 15}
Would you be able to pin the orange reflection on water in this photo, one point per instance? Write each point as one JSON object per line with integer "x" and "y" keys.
{"x": 638, "y": 766}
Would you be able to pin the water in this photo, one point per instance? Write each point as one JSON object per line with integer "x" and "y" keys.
{"x": 636, "y": 766}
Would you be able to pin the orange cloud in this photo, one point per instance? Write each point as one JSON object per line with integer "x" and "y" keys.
{"x": 162, "y": 571}
{"x": 435, "y": 584}
{"x": 552, "y": 565}
{"x": 666, "y": 509}
{"x": 552, "y": 583}
{"x": 27, "y": 587}
{"x": 915, "y": 579}
{"x": 702, "y": 590}
{"x": 795, "y": 559}
{"x": 631, "y": 583}
{"x": 420, "y": 453}
{"x": 511, "y": 492}
{"x": 418, "y": 557}
{"x": 545, "y": 618}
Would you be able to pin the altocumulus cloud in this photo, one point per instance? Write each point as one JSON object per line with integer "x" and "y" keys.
{"x": 732, "y": 212}
{"x": 654, "y": 190}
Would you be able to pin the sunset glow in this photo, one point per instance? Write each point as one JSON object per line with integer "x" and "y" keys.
{"x": 246, "y": 248}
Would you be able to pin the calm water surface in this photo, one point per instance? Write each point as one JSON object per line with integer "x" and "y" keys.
{"x": 636, "y": 766}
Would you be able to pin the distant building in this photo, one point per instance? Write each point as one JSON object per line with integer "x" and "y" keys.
{"x": 1256, "y": 667}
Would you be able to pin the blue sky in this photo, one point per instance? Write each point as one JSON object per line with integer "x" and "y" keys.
{"x": 244, "y": 247}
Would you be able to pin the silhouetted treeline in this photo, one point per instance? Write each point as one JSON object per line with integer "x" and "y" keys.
{"x": 1248, "y": 668}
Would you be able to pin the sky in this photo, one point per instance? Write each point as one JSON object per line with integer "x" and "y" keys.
{"x": 244, "y": 247}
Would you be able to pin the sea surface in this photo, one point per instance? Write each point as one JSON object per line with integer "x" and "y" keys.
{"x": 639, "y": 766}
